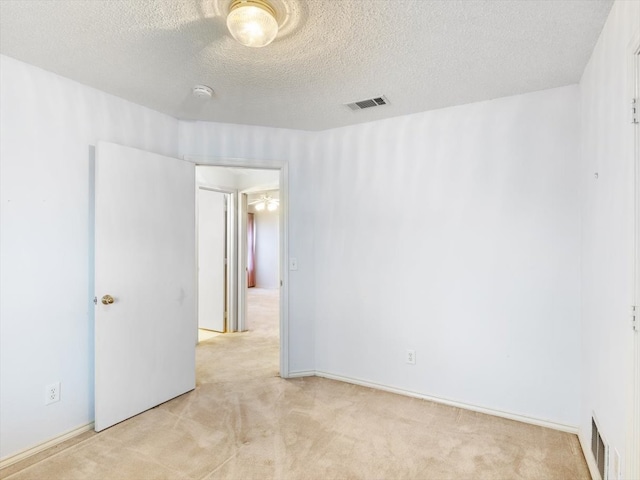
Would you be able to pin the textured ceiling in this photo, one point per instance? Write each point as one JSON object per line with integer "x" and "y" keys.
{"x": 421, "y": 54}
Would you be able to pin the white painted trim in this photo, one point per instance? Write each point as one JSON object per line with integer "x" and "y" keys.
{"x": 585, "y": 444}
{"x": 632, "y": 450}
{"x": 232, "y": 262}
{"x": 284, "y": 270}
{"x": 283, "y": 167}
{"x": 302, "y": 373}
{"x": 8, "y": 461}
{"x": 243, "y": 209}
{"x": 467, "y": 406}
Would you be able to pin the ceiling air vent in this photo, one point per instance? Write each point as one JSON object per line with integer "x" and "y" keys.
{"x": 371, "y": 102}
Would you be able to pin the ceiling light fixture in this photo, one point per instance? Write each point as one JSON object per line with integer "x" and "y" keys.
{"x": 272, "y": 205}
{"x": 266, "y": 201}
{"x": 252, "y": 22}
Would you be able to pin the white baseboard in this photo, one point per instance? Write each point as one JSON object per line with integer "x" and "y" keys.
{"x": 302, "y": 373}
{"x": 588, "y": 456}
{"x": 5, "y": 462}
{"x": 489, "y": 411}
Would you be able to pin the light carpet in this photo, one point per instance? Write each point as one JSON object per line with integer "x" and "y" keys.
{"x": 244, "y": 422}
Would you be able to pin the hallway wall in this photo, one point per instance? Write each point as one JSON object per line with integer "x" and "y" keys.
{"x": 267, "y": 249}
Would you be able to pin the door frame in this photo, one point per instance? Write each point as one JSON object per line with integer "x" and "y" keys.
{"x": 632, "y": 459}
{"x": 283, "y": 168}
{"x": 243, "y": 210}
{"x": 230, "y": 320}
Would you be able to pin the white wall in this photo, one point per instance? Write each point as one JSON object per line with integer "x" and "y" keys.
{"x": 607, "y": 229}
{"x": 256, "y": 180}
{"x": 46, "y": 312}
{"x": 267, "y": 252}
{"x": 456, "y": 233}
{"x": 215, "y": 177}
{"x": 237, "y": 179}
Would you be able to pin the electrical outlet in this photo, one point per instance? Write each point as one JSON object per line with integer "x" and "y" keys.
{"x": 52, "y": 393}
{"x": 411, "y": 357}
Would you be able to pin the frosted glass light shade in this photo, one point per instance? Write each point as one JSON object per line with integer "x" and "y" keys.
{"x": 252, "y": 22}
{"x": 260, "y": 206}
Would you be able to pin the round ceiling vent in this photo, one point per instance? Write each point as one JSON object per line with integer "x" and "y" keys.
{"x": 202, "y": 91}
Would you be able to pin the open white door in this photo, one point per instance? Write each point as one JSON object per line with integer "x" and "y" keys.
{"x": 145, "y": 259}
{"x": 212, "y": 252}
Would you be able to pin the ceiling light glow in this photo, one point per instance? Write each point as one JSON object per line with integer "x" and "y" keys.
{"x": 252, "y": 22}
{"x": 266, "y": 202}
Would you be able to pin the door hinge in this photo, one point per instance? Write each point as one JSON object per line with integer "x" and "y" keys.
{"x": 635, "y": 313}
{"x": 634, "y": 111}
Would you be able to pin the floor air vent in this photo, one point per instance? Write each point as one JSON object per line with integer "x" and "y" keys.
{"x": 371, "y": 102}
{"x": 598, "y": 448}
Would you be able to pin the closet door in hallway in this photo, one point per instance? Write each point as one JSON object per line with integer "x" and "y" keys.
{"x": 212, "y": 262}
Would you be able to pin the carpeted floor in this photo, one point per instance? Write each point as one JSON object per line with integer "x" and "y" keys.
{"x": 244, "y": 422}
{"x": 206, "y": 334}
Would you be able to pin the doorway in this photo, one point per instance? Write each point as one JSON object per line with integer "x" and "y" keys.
{"x": 260, "y": 244}
{"x": 146, "y": 278}
{"x": 633, "y": 462}
{"x": 213, "y": 252}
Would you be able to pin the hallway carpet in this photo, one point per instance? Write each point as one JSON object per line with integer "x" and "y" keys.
{"x": 244, "y": 422}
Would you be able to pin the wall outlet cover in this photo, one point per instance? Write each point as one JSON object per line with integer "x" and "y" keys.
{"x": 52, "y": 393}
{"x": 411, "y": 357}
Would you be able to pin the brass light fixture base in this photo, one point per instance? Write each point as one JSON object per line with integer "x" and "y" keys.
{"x": 253, "y": 3}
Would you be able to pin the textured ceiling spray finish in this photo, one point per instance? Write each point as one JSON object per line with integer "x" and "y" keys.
{"x": 422, "y": 54}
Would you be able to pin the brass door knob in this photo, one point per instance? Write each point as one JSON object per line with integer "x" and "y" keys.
{"x": 108, "y": 300}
